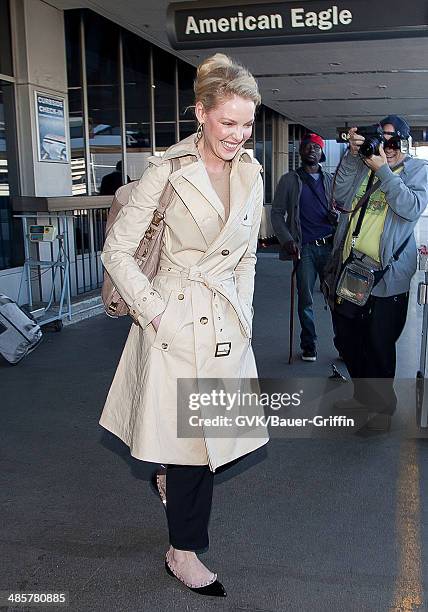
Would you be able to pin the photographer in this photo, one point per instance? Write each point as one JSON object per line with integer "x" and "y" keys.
{"x": 377, "y": 235}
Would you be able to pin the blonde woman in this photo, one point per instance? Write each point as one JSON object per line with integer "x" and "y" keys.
{"x": 195, "y": 317}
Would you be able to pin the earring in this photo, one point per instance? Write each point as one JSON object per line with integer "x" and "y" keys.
{"x": 199, "y": 132}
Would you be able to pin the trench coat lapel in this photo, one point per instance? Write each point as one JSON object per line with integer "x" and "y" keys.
{"x": 194, "y": 176}
{"x": 192, "y": 182}
{"x": 242, "y": 180}
{"x": 197, "y": 176}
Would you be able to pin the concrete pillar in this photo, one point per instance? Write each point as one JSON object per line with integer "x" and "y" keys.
{"x": 280, "y": 165}
{"x": 40, "y": 66}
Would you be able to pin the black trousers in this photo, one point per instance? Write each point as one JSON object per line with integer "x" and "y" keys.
{"x": 367, "y": 344}
{"x": 189, "y": 499}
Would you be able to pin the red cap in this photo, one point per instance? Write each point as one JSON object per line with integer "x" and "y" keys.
{"x": 317, "y": 140}
{"x": 314, "y": 138}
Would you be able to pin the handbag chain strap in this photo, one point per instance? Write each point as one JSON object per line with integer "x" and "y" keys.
{"x": 167, "y": 193}
{"x": 156, "y": 224}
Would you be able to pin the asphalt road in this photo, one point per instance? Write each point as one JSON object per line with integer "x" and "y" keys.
{"x": 303, "y": 525}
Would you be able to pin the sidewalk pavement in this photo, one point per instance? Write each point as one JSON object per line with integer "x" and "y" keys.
{"x": 303, "y": 525}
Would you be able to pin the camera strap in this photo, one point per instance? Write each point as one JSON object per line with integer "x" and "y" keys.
{"x": 305, "y": 179}
{"x": 362, "y": 206}
{"x": 363, "y": 203}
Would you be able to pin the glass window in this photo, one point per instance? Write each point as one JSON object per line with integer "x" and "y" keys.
{"x": 187, "y": 128}
{"x": 258, "y": 135}
{"x": 165, "y": 99}
{"x": 291, "y": 147}
{"x": 268, "y": 156}
{"x": 165, "y": 135}
{"x": 11, "y": 242}
{"x": 75, "y": 101}
{"x": 186, "y": 94}
{"x": 250, "y": 143}
{"x": 4, "y": 174}
{"x": 164, "y": 82}
{"x": 295, "y": 133}
{"x": 136, "y": 60}
{"x": 186, "y": 98}
{"x": 6, "y": 66}
{"x": 102, "y": 69}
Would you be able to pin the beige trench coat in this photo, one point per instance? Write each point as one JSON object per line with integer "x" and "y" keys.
{"x": 204, "y": 288}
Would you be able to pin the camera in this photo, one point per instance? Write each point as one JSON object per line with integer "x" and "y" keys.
{"x": 374, "y": 137}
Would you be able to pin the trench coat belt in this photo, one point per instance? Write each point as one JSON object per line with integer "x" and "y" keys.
{"x": 215, "y": 284}
{"x": 211, "y": 281}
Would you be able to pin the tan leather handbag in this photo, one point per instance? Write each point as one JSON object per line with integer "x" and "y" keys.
{"x": 147, "y": 254}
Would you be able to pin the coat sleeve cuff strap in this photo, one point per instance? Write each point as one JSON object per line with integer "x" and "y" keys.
{"x": 145, "y": 308}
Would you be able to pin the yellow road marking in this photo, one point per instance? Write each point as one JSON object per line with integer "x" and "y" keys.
{"x": 408, "y": 593}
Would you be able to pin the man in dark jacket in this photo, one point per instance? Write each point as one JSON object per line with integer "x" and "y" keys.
{"x": 110, "y": 183}
{"x": 304, "y": 223}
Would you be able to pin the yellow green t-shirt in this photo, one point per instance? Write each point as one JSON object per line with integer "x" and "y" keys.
{"x": 368, "y": 241}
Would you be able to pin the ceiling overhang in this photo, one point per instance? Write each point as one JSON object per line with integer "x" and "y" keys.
{"x": 322, "y": 85}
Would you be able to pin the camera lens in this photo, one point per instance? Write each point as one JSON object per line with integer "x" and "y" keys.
{"x": 370, "y": 147}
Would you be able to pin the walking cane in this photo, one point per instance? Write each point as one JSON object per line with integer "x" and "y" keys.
{"x": 296, "y": 261}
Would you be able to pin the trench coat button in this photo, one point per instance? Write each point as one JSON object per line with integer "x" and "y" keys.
{"x": 181, "y": 296}
{"x": 203, "y": 320}
{"x": 164, "y": 345}
{"x": 225, "y": 252}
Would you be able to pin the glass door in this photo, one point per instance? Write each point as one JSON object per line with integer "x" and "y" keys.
{"x": 11, "y": 244}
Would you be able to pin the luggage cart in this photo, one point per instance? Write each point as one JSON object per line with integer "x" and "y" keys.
{"x": 60, "y": 267}
{"x": 421, "y": 400}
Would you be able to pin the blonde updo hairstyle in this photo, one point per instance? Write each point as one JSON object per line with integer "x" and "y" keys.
{"x": 219, "y": 77}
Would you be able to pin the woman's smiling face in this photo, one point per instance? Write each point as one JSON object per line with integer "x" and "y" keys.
{"x": 226, "y": 127}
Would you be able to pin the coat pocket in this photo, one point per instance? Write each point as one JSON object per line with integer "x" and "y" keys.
{"x": 170, "y": 323}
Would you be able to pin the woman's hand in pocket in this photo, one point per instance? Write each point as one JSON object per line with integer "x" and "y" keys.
{"x": 156, "y": 321}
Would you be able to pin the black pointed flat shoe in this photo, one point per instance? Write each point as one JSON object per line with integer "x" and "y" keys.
{"x": 213, "y": 589}
{"x": 158, "y": 486}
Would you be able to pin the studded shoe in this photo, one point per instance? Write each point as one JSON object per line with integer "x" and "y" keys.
{"x": 213, "y": 588}
{"x": 158, "y": 482}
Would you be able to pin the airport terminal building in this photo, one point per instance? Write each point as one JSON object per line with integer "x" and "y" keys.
{"x": 85, "y": 96}
{"x": 78, "y": 94}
